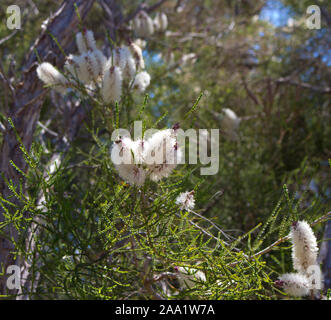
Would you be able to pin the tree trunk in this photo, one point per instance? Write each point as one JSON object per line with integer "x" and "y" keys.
{"x": 325, "y": 256}
{"x": 28, "y": 97}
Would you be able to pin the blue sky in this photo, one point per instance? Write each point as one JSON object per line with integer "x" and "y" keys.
{"x": 276, "y": 13}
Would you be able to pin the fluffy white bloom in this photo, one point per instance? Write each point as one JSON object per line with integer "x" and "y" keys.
{"x": 132, "y": 174}
{"x": 304, "y": 251}
{"x": 186, "y": 58}
{"x": 88, "y": 67}
{"x": 141, "y": 81}
{"x": 51, "y": 76}
{"x": 123, "y": 58}
{"x": 137, "y": 55}
{"x": 72, "y": 65}
{"x": 122, "y": 151}
{"x": 161, "y": 21}
{"x": 143, "y": 25}
{"x": 162, "y": 154}
{"x": 155, "y": 157}
{"x": 294, "y": 284}
{"x": 140, "y": 43}
{"x": 81, "y": 43}
{"x": 111, "y": 89}
{"x": 85, "y": 41}
{"x": 130, "y": 68}
{"x": 91, "y": 44}
{"x": 186, "y": 200}
{"x": 127, "y": 157}
{"x": 188, "y": 277}
{"x": 120, "y": 57}
{"x": 230, "y": 123}
{"x": 102, "y": 61}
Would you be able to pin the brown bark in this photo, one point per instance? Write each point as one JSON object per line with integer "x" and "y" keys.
{"x": 325, "y": 256}
{"x": 28, "y": 97}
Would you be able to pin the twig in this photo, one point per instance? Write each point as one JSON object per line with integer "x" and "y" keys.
{"x": 3, "y": 40}
{"x": 47, "y": 129}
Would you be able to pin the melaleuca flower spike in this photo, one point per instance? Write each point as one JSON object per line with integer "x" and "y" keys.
{"x": 72, "y": 65}
{"x": 85, "y": 41}
{"x": 161, "y": 21}
{"x": 120, "y": 57}
{"x": 101, "y": 60}
{"x": 304, "y": 251}
{"x": 162, "y": 154}
{"x": 51, "y": 76}
{"x": 186, "y": 200}
{"x": 143, "y": 25}
{"x": 294, "y": 284}
{"x": 141, "y": 81}
{"x": 230, "y": 123}
{"x": 111, "y": 89}
{"x": 127, "y": 157}
{"x": 123, "y": 58}
{"x": 137, "y": 55}
{"x": 81, "y": 43}
{"x": 91, "y": 44}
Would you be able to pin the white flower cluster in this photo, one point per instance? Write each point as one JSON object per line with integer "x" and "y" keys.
{"x": 92, "y": 68}
{"x": 305, "y": 250}
{"x": 230, "y": 123}
{"x": 304, "y": 256}
{"x": 294, "y": 284}
{"x": 144, "y": 26}
{"x": 154, "y": 157}
{"x": 186, "y": 200}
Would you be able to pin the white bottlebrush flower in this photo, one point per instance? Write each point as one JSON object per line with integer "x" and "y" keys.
{"x": 137, "y": 55}
{"x": 230, "y": 123}
{"x": 127, "y": 157}
{"x": 162, "y": 154}
{"x": 141, "y": 81}
{"x": 81, "y": 43}
{"x": 189, "y": 277}
{"x": 123, "y": 58}
{"x": 102, "y": 61}
{"x": 294, "y": 284}
{"x": 304, "y": 251}
{"x": 72, "y": 65}
{"x": 91, "y": 44}
{"x": 132, "y": 174}
{"x": 120, "y": 57}
{"x": 188, "y": 58}
{"x": 140, "y": 43}
{"x": 161, "y": 21}
{"x": 86, "y": 67}
{"x": 121, "y": 151}
{"x": 143, "y": 25}
{"x": 156, "y": 23}
{"x": 186, "y": 200}
{"x": 111, "y": 88}
{"x": 130, "y": 69}
{"x": 51, "y": 76}
{"x": 85, "y": 41}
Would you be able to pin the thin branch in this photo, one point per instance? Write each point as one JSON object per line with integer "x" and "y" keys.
{"x": 3, "y": 40}
{"x": 323, "y": 90}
